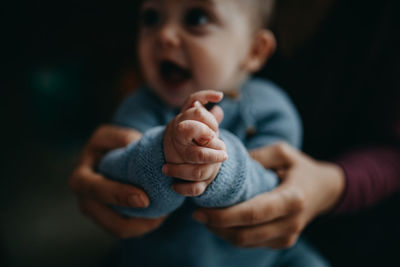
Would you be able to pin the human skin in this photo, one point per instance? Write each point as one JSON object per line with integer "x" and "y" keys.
{"x": 95, "y": 193}
{"x": 213, "y": 42}
{"x": 193, "y": 152}
{"x": 274, "y": 219}
{"x": 209, "y": 50}
{"x": 203, "y": 45}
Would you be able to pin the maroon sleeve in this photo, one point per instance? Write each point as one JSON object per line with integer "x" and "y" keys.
{"x": 371, "y": 175}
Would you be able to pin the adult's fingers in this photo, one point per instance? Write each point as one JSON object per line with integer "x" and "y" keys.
{"x": 116, "y": 224}
{"x": 203, "y": 97}
{"x": 109, "y": 137}
{"x": 280, "y": 202}
{"x": 105, "y": 138}
{"x": 279, "y": 243}
{"x": 261, "y": 234}
{"x": 191, "y": 172}
{"x": 277, "y": 156}
{"x": 85, "y": 182}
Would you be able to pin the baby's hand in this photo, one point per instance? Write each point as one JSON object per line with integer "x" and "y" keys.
{"x": 192, "y": 136}
{"x": 192, "y": 149}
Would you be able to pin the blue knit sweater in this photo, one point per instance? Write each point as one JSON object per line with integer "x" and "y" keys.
{"x": 262, "y": 110}
{"x": 261, "y": 115}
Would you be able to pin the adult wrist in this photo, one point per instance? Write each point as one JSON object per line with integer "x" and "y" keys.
{"x": 335, "y": 182}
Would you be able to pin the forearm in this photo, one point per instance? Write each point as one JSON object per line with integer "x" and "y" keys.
{"x": 140, "y": 164}
{"x": 240, "y": 177}
{"x": 371, "y": 175}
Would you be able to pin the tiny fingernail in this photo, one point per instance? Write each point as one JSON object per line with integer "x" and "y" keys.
{"x": 221, "y": 94}
{"x": 200, "y": 217}
{"x": 136, "y": 201}
{"x": 197, "y": 104}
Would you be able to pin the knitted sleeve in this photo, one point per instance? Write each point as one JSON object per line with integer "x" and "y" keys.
{"x": 272, "y": 118}
{"x": 140, "y": 164}
{"x": 240, "y": 177}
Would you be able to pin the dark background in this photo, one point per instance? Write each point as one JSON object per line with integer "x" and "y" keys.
{"x": 65, "y": 66}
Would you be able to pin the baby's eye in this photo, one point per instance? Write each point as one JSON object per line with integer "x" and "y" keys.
{"x": 150, "y": 17}
{"x": 196, "y": 17}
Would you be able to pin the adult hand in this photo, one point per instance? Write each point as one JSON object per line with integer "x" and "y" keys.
{"x": 95, "y": 192}
{"x": 275, "y": 219}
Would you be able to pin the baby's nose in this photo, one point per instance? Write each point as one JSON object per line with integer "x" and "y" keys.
{"x": 169, "y": 35}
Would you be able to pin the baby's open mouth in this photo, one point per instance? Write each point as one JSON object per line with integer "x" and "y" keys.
{"x": 174, "y": 74}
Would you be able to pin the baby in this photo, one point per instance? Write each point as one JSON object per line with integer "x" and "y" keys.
{"x": 188, "y": 156}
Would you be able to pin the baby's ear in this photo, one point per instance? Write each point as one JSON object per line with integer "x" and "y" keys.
{"x": 263, "y": 46}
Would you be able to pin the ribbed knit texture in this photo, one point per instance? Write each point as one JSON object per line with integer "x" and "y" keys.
{"x": 140, "y": 164}
{"x": 239, "y": 178}
{"x": 261, "y": 116}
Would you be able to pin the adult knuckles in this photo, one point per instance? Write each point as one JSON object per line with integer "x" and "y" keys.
{"x": 75, "y": 181}
{"x": 240, "y": 239}
{"x": 128, "y": 138}
{"x": 295, "y": 227}
{"x": 298, "y": 201}
{"x": 283, "y": 149}
{"x": 252, "y": 216}
{"x": 118, "y": 199}
{"x": 97, "y": 191}
{"x": 289, "y": 241}
{"x": 99, "y": 134}
{"x": 218, "y": 219}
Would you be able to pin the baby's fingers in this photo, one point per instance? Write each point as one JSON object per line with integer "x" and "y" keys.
{"x": 190, "y": 189}
{"x": 203, "y": 97}
{"x": 193, "y": 132}
{"x": 204, "y": 155}
{"x": 199, "y": 113}
{"x": 191, "y": 172}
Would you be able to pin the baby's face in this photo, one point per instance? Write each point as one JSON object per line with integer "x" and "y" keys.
{"x": 191, "y": 45}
